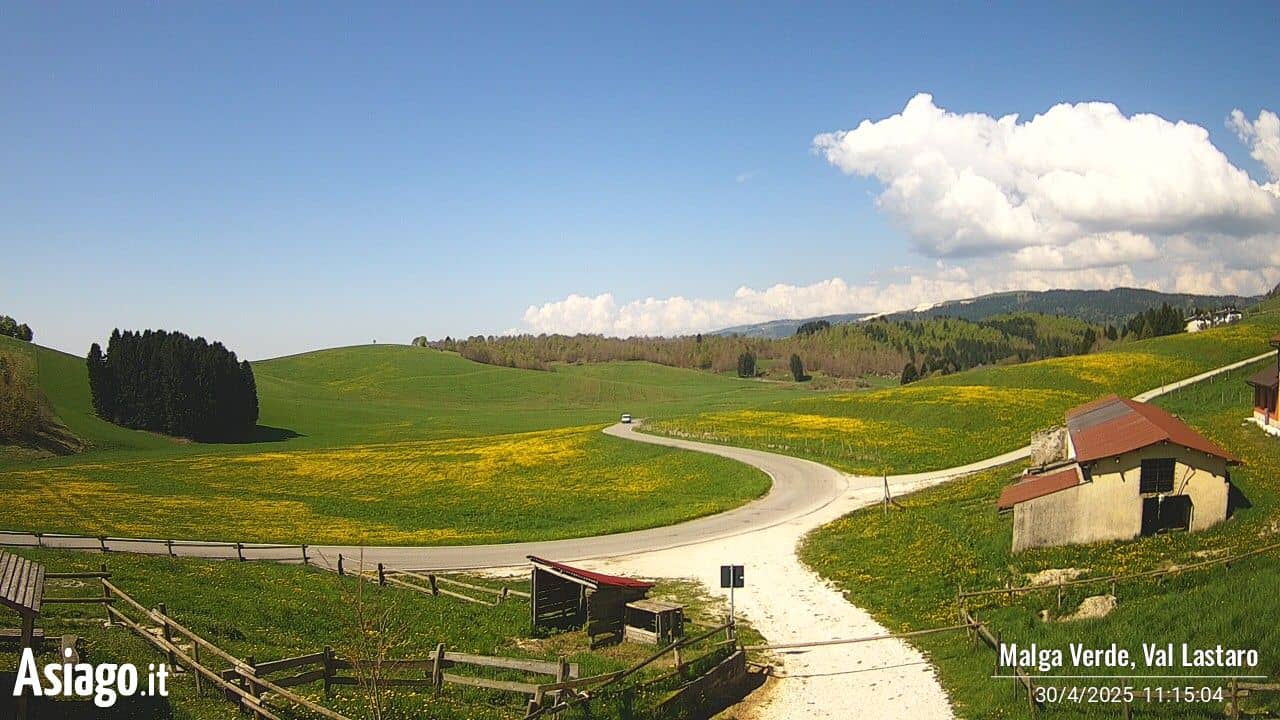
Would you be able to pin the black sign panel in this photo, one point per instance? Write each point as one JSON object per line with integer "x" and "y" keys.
{"x": 731, "y": 576}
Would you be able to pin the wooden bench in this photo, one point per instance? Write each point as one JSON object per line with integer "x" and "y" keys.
{"x": 22, "y": 590}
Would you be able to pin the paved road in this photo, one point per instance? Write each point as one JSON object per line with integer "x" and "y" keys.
{"x": 800, "y": 488}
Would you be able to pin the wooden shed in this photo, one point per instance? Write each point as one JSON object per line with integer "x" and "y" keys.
{"x": 568, "y": 598}
{"x": 654, "y": 622}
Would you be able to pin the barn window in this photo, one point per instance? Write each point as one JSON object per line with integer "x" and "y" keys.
{"x": 1157, "y": 476}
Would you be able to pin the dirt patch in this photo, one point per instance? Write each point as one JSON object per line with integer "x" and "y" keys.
{"x": 1053, "y": 576}
{"x": 1204, "y": 554}
{"x": 1093, "y": 607}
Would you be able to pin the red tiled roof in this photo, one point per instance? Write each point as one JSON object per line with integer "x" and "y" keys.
{"x": 594, "y": 578}
{"x": 1038, "y": 486}
{"x": 1113, "y": 425}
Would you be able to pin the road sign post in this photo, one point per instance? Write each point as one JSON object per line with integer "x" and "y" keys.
{"x": 731, "y": 577}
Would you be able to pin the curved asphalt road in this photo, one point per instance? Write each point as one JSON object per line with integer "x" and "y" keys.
{"x": 800, "y": 488}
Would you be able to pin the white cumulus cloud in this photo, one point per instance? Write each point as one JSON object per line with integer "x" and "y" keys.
{"x": 1080, "y": 196}
{"x": 973, "y": 184}
{"x": 1263, "y": 138}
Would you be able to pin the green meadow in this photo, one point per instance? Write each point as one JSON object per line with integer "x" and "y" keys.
{"x": 272, "y": 611}
{"x": 390, "y": 445}
{"x": 952, "y": 420}
{"x": 950, "y": 536}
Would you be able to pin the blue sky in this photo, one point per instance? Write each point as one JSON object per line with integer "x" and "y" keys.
{"x": 304, "y": 176}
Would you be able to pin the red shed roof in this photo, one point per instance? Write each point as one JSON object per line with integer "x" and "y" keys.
{"x": 1267, "y": 378}
{"x": 1113, "y": 425}
{"x": 589, "y": 577}
{"x": 1035, "y": 486}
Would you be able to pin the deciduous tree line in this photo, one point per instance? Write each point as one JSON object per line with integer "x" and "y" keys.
{"x": 848, "y": 350}
{"x": 10, "y": 328}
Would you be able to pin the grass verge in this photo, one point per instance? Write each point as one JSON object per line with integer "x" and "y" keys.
{"x": 906, "y": 568}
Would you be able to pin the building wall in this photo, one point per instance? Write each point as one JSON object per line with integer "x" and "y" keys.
{"x": 1110, "y": 507}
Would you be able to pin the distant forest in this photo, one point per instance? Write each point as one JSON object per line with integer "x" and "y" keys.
{"x": 909, "y": 349}
{"x": 852, "y": 350}
{"x": 168, "y": 382}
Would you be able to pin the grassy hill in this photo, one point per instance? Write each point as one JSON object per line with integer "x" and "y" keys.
{"x": 391, "y": 444}
{"x": 1095, "y": 306}
{"x": 391, "y": 392}
{"x": 951, "y": 536}
{"x": 955, "y": 419}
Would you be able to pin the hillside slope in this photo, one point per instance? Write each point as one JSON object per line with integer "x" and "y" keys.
{"x": 392, "y": 392}
{"x": 395, "y": 392}
{"x": 1096, "y": 306}
{"x": 952, "y": 420}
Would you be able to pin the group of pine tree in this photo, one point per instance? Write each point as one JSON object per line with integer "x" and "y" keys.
{"x": 170, "y": 383}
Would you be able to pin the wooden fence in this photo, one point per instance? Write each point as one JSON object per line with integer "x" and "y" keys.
{"x": 560, "y": 700}
{"x": 963, "y": 596}
{"x": 430, "y": 584}
{"x": 246, "y": 682}
{"x": 1020, "y": 676}
{"x": 152, "y": 546}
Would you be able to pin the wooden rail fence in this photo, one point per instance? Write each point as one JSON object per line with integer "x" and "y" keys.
{"x": 172, "y": 548}
{"x": 962, "y": 595}
{"x": 1020, "y": 675}
{"x": 566, "y": 695}
{"x": 246, "y": 682}
{"x": 430, "y": 584}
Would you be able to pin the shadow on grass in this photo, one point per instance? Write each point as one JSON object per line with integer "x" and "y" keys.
{"x": 1236, "y": 500}
{"x": 261, "y": 434}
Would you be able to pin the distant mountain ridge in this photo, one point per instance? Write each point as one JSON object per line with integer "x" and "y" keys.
{"x": 786, "y": 328}
{"x": 1094, "y": 306}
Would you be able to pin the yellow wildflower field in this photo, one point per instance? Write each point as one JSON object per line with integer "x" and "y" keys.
{"x": 538, "y": 485}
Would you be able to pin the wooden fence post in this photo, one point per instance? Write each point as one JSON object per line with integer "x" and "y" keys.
{"x": 1235, "y": 699}
{"x": 166, "y": 633}
{"x": 305, "y": 561}
{"x": 382, "y": 575}
{"x": 252, "y": 686}
{"x": 39, "y": 539}
{"x": 437, "y": 668}
{"x": 169, "y": 544}
{"x": 106, "y": 595}
{"x": 998, "y": 644}
{"x": 435, "y": 588}
{"x": 328, "y": 669}
{"x": 102, "y": 542}
{"x": 195, "y": 655}
{"x": 341, "y": 572}
{"x": 562, "y": 675}
{"x": 240, "y": 551}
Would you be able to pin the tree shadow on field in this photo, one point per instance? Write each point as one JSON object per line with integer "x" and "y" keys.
{"x": 266, "y": 434}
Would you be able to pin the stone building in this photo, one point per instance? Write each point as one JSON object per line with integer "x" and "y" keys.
{"x": 1130, "y": 469}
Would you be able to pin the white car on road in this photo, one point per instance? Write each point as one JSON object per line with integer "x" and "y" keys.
{"x": 626, "y": 418}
